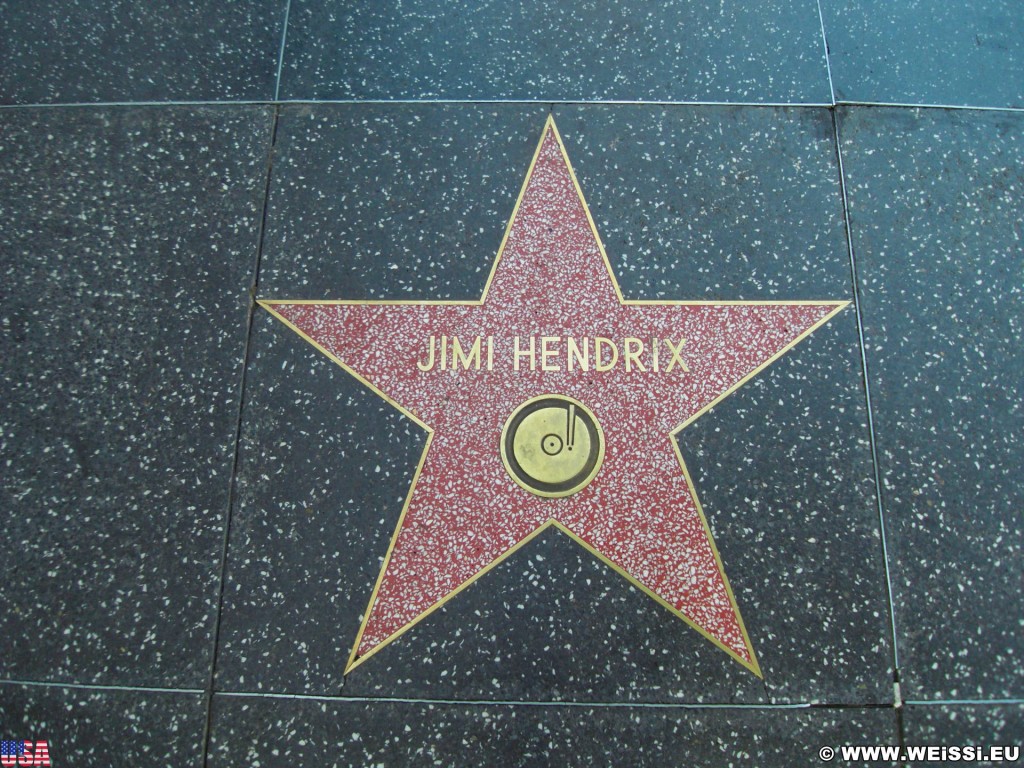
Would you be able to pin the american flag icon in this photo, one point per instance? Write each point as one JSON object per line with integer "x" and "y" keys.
{"x": 12, "y": 748}
{"x": 22, "y": 752}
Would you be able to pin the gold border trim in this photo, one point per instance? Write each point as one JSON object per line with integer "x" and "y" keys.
{"x": 269, "y": 305}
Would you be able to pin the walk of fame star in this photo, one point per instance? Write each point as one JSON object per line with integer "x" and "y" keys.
{"x": 553, "y": 401}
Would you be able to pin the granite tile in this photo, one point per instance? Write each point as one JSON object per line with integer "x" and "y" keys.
{"x": 934, "y": 205}
{"x": 253, "y": 731}
{"x": 106, "y": 728}
{"x": 324, "y": 468}
{"x": 553, "y": 623}
{"x": 411, "y": 202}
{"x": 926, "y": 52}
{"x": 783, "y": 468}
{"x": 125, "y": 265}
{"x": 713, "y": 203}
{"x": 73, "y": 51}
{"x": 674, "y": 51}
{"x": 798, "y": 532}
{"x": 977, "y": 725}
{"x": 396, "y": 201}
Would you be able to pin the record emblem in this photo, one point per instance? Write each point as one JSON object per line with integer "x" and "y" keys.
{"x": 552, "y": 445}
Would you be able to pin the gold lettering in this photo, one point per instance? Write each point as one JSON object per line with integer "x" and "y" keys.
{"x": 654, "y": 354}
{"x": 677, "y": 355}
{"x": 430, "y": 357}
{"x": 531, "y": 353}
{"x": 545, "y": 353}
{"x": 444, "y": 353}
{"x": 490, "y": 353}
{"x": 632, "y": 349}
{"x": 468, "y": 360}
{"x": 599, "y": 342}
{"x": 582, "y": 359}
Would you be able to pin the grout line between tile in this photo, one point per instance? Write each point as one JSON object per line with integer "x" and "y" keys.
{"x": 513, "y": 703}
{"x": 952, "y": 107}
{"x": 103, "y": 104}
{"x": 960, "y": 702}
{"x": 280, "y": 55}
{"x": 424, "y": 102}
{"x": 100, "y": 687}
{"x": 854, "y": 274}
{"x": 524, "y": 102}
{"x": 828, "y": 61}
{"x": 232, "y": 486}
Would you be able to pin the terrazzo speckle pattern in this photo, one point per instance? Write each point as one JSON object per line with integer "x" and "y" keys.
{"x": 581, "y": 50}
{"x": 106, "y": 728}
{"x": 324, "y": 468}
{"x": 783, "y": 468}
{"x": 374, "y": 201}
{"x": 466, "y": 511}
{"x": 191, "y": 50}
{"x": 935, "y": 208}
{"x": 122, "y": 325}
{"x": 926, "y": 51}
{"x": 839, "y": 655}
{"x": 554, "y": 623}
{"x": 129, "y": 243}
{"x": 249, "y": 731}
{"x": 716, "y": 203}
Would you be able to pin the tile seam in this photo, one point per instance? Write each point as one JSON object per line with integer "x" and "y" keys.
{"x": 233, "y": 482}
{"x": 569, "y": 704}
{"x": 524, "y": 102}
{"x": 828, "y": 62}
{"x": 423, "y": 102}
{"x": 280, "y": 54}
{"x": 961, "y": 702}
{"x": 869, "y": 403}
{"x": 99, "y": 687}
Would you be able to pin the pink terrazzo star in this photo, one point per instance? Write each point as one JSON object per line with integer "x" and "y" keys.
{"x": 551, "y": 280}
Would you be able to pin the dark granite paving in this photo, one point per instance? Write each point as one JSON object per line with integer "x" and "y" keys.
{"x": 132, "y": 50}
{"x": 964, "y": 724}
{"x": 935, "y": 208}
{"x": 580, "y": 50}
{"x": 927, "y": 51}
{"x": 390, "y": 201}
{"x": 123, "y": 291}
{"x": 100, "y": 727}
{"x": 339, "y": 246}
{"x": 252, "y": 731}
{"x": 196, "y": 502}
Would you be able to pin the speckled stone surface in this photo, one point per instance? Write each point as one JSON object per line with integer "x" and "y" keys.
{"x": 783, "y": 469}
{"x": 674, "y": 51}
{"x": 107, "y": 728}
{"x": 926, "y": 51}
{"x": 936, "y": 216}
{"x": 76, "y": 51}
{"x": 981, "y": 725}
{"x": 707, "y": 203}
{"x": 140, "y": 413}
{"x": 324, "y": 468}
{"x": 122, "y": 325}
{"x": 797, "y": 528}
{"x": 372, "y": 201}
{"x": 730, "y": 203}
{"x": 249, "y": 731}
